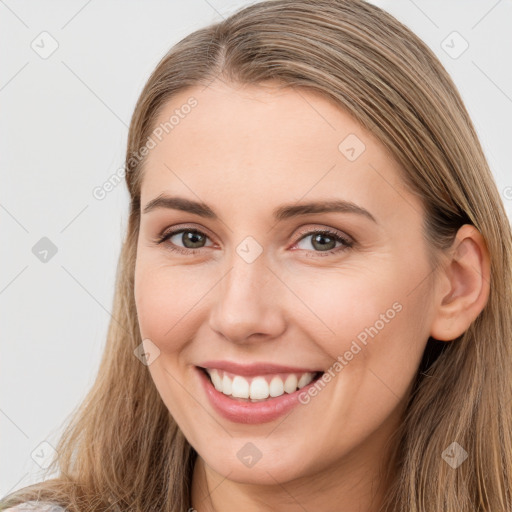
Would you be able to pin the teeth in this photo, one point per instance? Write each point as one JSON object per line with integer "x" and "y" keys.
{"x": 217, "y": 381}
{"x": 260, "y": 387}
{"x": 240, "y": 387}
{"x": 276, "y": 387}
{"x": 226, "y": 385}
{"x": 304, "y": 380}
{"x": 290, "y": 384}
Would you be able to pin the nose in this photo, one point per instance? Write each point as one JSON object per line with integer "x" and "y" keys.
{"x": 247, "y": 303}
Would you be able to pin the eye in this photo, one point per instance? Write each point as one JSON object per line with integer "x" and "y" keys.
{"x": 325, "y": 241}
{"x": 192, "y": 239}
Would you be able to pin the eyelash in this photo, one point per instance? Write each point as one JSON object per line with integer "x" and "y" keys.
{"x": 347, "y": 244}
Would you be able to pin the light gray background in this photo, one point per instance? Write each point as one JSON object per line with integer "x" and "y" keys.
{"x": 63, "y": 132}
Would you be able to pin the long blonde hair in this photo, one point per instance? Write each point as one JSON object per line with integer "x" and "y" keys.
{"x": 122, "y": 450}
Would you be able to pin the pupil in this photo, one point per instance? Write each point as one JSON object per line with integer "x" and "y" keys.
{"x": 191, "y": 237}
{"x": 323, "y": 246}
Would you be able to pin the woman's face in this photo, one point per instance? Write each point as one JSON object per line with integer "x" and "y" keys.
{"x": 254, "y": 286}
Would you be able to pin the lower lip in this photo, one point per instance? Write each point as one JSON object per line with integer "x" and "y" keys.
{"x": 250, "y": 412}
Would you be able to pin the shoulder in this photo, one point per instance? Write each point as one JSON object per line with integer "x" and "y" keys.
{"x": 35, "y": 506}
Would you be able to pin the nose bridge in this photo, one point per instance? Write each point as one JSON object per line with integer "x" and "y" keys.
{"x": 246, "y": 300}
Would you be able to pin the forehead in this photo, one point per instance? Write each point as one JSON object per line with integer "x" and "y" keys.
{"x": 246, "y": 143}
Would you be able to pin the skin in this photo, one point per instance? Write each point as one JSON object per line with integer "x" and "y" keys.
{"x": 245, "y": 150}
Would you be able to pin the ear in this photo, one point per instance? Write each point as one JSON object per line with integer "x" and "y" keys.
{"x": 464, "y": 285}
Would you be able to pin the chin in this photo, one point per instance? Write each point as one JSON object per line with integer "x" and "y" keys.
{"x": 266, "y": 471}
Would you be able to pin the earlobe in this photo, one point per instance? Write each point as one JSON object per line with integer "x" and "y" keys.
{"x": 467, "y": 278}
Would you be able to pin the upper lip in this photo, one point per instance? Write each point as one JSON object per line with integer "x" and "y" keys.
{"x": 253, "y": 369}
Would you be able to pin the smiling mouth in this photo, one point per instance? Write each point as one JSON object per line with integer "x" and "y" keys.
{"x": 258, "y": 388}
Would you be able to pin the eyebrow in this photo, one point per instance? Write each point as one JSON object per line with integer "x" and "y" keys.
{"x": 281, "y": 213}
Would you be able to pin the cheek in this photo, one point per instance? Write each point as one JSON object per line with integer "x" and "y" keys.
{"x": 168, "y": 302}
{"x": 339, "y": 308}
{"x": 158, "y": 303}
{"x": 162, "y": 308}
{"x": 370, "y": 319}
{"x": 373, "y": 329}
{"x": 151, "y": 304}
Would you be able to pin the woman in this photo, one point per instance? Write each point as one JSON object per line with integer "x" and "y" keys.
{"x": 311, "y": 308}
